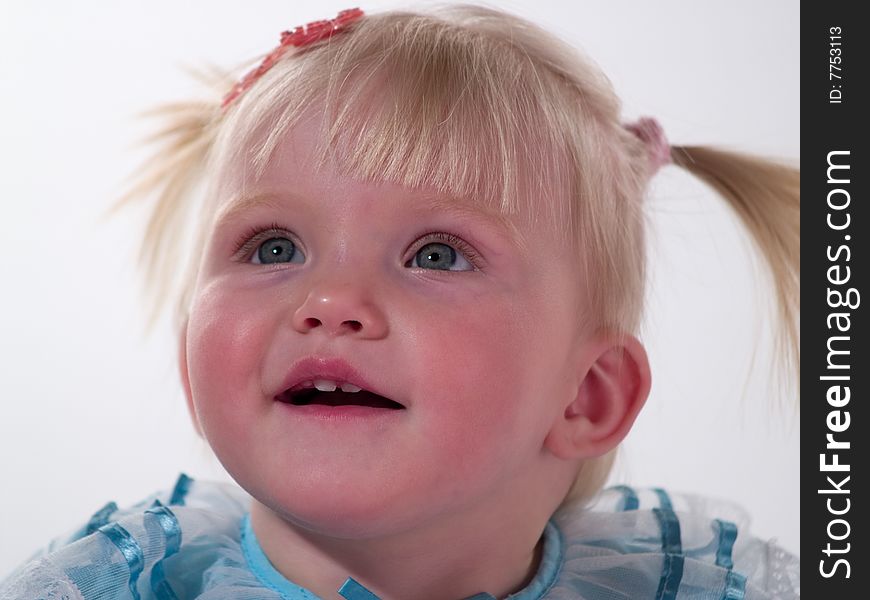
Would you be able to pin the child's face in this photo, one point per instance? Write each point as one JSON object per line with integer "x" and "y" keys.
{"x": 479, "y": 354}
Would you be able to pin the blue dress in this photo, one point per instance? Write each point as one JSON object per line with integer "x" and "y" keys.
{"x": 196, "y": 541}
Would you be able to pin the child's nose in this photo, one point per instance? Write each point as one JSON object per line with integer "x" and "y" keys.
{"x": 341, "y": 308}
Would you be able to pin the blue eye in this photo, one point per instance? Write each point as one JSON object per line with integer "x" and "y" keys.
{"x": 441, "y": 257}
{"x": 277, "y": 250}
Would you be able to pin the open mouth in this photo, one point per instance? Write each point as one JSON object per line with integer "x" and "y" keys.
{"x": 310, "y": 396}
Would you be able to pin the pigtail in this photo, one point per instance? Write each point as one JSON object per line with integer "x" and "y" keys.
{"x": 766, "y": 197}
{"x": 170, "y": 177}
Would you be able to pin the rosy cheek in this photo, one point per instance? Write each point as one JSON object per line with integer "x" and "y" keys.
{"x": 225, "y": 348}
{"x": 476, "y": 365}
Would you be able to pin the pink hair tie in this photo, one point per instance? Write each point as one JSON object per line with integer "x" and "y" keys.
{"x": 650, "y": 132}
{"x": 297, "y": 38}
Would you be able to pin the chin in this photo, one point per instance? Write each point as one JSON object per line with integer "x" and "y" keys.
{"x": 355, "y": 508}
{"x": 348, "y": 516}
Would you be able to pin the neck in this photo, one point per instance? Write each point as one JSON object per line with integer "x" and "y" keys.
{"x": 483, "y": 550}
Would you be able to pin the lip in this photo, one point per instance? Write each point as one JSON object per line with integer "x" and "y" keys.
{"x": 351, "y": 414}
{"x": 332, "y": 368}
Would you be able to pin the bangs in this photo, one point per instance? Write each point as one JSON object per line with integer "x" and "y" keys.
{"x": 422, "y": 103}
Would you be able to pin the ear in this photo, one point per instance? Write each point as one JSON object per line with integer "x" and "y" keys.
{"x": 185, "y": 377}
{"x": 614, "y": 382}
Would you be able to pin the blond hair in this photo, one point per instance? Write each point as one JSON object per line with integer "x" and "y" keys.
{"x": 478, "y": 105}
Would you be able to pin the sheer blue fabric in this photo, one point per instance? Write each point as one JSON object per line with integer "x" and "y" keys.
{"x": 195, "y": 541}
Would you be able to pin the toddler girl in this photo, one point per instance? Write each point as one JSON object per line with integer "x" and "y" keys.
{"x": 407, "y": 332}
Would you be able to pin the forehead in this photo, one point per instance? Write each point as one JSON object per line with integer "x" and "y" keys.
{"x": 301, "y": 167}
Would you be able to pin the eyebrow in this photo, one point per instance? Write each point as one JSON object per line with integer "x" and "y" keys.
{"x": 467, "y": 209}
{"x": 448, "y": 204}
{"x": 242, "y": 205}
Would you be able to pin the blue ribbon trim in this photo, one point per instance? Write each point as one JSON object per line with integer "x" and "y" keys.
{"x": 672, "y": 546}
{"x": 735, "y": 583}
{"x": 727, "y": 537}
{"x": 664, "y": 499}
{"x": 130, "y": 549}
{"x": 672, "y": 574}
{"x": 172, "y": 532}
{"x": 670, "y": 526}
{"x": 179, "y": 492}
{"x": 100, "y": 518}
{"x": 351, "y": 589}
{"x": 735, "y": 586}
{"x": 629, "y": 497}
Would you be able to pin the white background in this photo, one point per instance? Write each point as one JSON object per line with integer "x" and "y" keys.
{"x": 91, "y": 407}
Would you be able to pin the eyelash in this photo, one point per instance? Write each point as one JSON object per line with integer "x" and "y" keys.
{"x": 248, "y": 242}
{"x": 473, "y": 257}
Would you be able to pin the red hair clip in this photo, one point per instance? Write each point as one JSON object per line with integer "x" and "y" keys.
{"x": 298, "y": 38}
